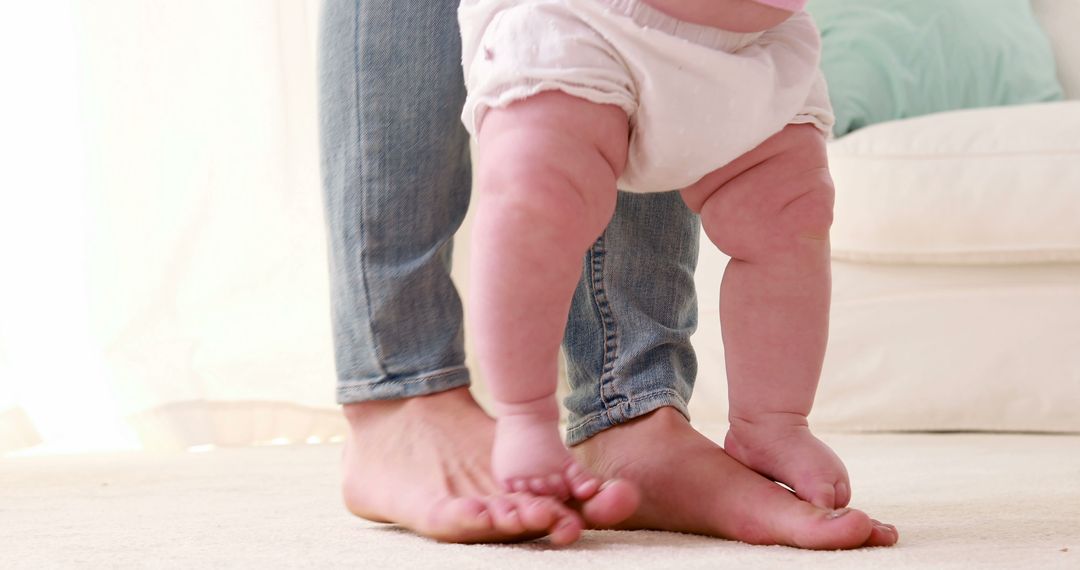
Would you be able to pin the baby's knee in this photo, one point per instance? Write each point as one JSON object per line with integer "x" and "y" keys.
{"x": 760, "y": 229}
{"x": 810, "y": 214}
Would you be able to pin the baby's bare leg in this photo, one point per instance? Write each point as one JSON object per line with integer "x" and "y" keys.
{"x": 771, "y": 210}
{"x": 545, "y": 190}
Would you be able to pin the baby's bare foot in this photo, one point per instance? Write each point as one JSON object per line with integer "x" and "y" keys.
{"x": 780, "y": 446}
{"x": 423, "y": 463}
{"x": 529, "y": 457}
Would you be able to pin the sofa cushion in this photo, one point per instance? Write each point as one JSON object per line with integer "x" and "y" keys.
{"x": 992, "y": 185}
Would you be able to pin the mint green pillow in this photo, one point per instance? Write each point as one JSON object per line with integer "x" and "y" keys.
{"x": 891, "y": 59}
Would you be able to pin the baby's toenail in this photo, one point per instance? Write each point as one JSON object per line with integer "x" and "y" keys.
{"x": 838, "y": 513}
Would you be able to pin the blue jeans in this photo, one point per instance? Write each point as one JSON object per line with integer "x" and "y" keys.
{"x": 396, "y": 177}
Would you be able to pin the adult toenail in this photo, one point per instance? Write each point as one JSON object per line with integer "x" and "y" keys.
{"x": 838, "y": 513}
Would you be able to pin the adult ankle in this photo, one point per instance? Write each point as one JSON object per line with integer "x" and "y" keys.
{"x": 360, "y": 413}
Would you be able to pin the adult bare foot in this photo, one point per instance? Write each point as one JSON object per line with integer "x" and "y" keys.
{"x": 689, "y": 484}
{"x": 424, "y": 463}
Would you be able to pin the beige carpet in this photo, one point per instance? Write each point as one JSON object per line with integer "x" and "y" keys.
{"x": 960, "y": 501}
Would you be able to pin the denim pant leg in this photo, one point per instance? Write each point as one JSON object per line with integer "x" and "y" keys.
{"x": 396, "y": 181}
{"x": 628, "y": 343}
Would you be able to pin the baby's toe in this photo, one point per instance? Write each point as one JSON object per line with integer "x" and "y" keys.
{"x": 582, "y": 484}
{"x": 558, "y": 486}
{"x": 819, "y": 493}
{"x": 843, "y": 494}
{"x": 539, "y": 486}
{"x": 516, "y": 485}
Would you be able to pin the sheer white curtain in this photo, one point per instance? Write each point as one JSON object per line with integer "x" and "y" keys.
{"x": 163, "y": 249}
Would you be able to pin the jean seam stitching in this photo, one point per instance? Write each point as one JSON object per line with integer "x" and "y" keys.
{"x": 358, "y": 30}
{"x": 589, "y": 421}
{"x": 608, "y": 325}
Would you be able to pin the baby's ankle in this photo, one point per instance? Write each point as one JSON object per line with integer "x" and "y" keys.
{"x": 543, "y": 409}
{"x": 767, "y": 420}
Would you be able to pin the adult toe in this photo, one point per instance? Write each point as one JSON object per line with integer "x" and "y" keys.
{"x": 457, "y": 519}
{"x": 613, "y": 503}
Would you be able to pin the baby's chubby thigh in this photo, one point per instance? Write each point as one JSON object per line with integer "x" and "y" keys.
{"x": 555, "y": 156}
{"x": 548, "y": 98}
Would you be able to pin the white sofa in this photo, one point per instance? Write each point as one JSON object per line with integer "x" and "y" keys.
{"x": 956, "y": 250}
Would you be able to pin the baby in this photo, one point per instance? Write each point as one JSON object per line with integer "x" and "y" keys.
{"x": 570, "y": 100}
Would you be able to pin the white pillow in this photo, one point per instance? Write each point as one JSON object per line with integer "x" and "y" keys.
{"x": 1061, "y": 20}
{"x": 993, "y": 185}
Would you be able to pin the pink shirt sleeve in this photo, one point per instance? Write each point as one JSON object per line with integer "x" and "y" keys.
{"x": 793, "y": 5}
